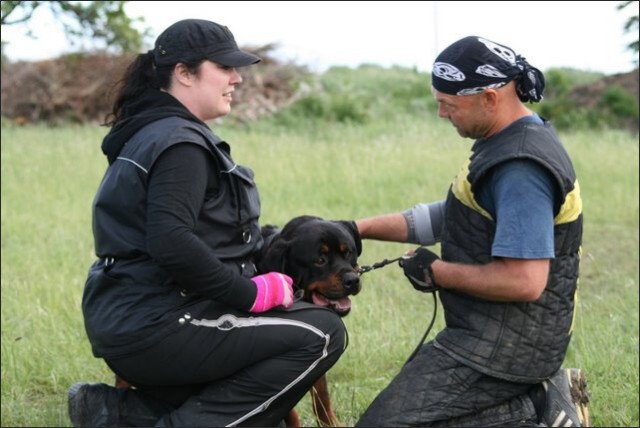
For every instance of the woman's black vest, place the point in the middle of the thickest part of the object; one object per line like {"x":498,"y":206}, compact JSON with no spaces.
{"x":116,"y":322}
{"x":522,"y":341}
{"x":228,"y":221}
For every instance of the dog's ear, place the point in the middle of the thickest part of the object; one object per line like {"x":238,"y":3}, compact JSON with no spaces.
{"x":273,"y":256}
{"x":351,"y":228}
{"x":289,"y":230}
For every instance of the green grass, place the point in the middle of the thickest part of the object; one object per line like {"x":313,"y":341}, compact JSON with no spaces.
{"x":340,"y":171}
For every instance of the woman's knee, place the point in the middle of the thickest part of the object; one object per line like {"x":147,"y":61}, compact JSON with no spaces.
{"x":325,"y":332}
{"x":335,"y":330}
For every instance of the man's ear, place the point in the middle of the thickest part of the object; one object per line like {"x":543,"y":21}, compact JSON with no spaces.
{"x":490,"y":99}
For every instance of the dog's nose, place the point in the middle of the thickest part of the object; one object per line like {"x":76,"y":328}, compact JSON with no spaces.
{"x":351,"y":281}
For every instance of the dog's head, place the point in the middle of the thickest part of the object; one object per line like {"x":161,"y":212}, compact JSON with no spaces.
{"x":320,"y":256}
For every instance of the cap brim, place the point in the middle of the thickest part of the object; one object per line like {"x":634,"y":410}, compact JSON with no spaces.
{"x":235,"y":58}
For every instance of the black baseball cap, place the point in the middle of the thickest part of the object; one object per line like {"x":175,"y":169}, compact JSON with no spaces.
{"x":195,"y":39}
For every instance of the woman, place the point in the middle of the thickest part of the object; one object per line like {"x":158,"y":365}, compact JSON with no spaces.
{"x":174,"y":304}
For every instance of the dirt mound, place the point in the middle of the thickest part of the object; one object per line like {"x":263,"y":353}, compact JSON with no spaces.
{"x":71,"y":88}
{"x":609,"y":98}
{"x":79,"y":87}
{"x":591,"y":94}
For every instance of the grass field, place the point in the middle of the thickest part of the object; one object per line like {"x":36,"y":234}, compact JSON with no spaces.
{"x":49,"y":177}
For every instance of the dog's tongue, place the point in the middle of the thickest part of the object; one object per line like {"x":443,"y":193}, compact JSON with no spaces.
{"x":341,"y":305}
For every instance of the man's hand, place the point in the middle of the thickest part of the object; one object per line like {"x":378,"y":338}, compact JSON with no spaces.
{"x":417,"y":268}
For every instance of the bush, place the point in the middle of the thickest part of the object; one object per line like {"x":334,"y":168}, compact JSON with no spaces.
{"x":577,"y":100}
{"x":362,"y":95}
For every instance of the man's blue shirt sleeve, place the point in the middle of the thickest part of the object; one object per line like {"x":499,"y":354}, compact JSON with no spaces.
{"x":520,"y":195}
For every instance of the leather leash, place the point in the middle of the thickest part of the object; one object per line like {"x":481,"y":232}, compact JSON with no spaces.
{"x":365,"y":269}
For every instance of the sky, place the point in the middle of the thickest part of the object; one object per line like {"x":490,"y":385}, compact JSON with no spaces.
{"x":583,"y":35}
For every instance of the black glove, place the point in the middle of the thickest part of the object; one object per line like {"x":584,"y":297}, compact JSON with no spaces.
{"x":351,"y":227}
{"x":417,"y":268}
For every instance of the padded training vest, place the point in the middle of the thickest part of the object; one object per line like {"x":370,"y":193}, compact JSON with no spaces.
{"x":522,"y":341}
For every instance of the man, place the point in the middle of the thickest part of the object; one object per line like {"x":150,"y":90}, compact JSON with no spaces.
{"x":510,"y":231}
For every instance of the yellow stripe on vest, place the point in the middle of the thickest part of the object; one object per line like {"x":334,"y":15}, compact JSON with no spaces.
{"x":572,"y":207}
{"x":461,"y":189}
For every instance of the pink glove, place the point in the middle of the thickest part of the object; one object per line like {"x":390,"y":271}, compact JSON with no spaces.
{"x":274,"y":289}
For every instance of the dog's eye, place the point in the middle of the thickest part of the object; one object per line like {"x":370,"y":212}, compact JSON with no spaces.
{"x":347,"y":255}
{"x":320,"y":261}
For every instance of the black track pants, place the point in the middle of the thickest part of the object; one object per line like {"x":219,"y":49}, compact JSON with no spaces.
{"x":228,"y":368}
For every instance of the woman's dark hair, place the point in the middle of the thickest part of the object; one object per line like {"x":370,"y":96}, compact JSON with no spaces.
{"x":140,"y":76}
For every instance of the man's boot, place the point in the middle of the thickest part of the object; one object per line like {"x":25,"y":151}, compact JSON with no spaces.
{"x":567,"y":400}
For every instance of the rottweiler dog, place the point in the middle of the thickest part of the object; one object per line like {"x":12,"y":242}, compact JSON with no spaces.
{"x":321,"y":256}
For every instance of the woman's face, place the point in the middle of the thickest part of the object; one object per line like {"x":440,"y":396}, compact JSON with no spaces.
{"x":211,"y":90}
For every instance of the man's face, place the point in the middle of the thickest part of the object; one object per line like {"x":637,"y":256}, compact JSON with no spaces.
{"x":465,"y":112}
